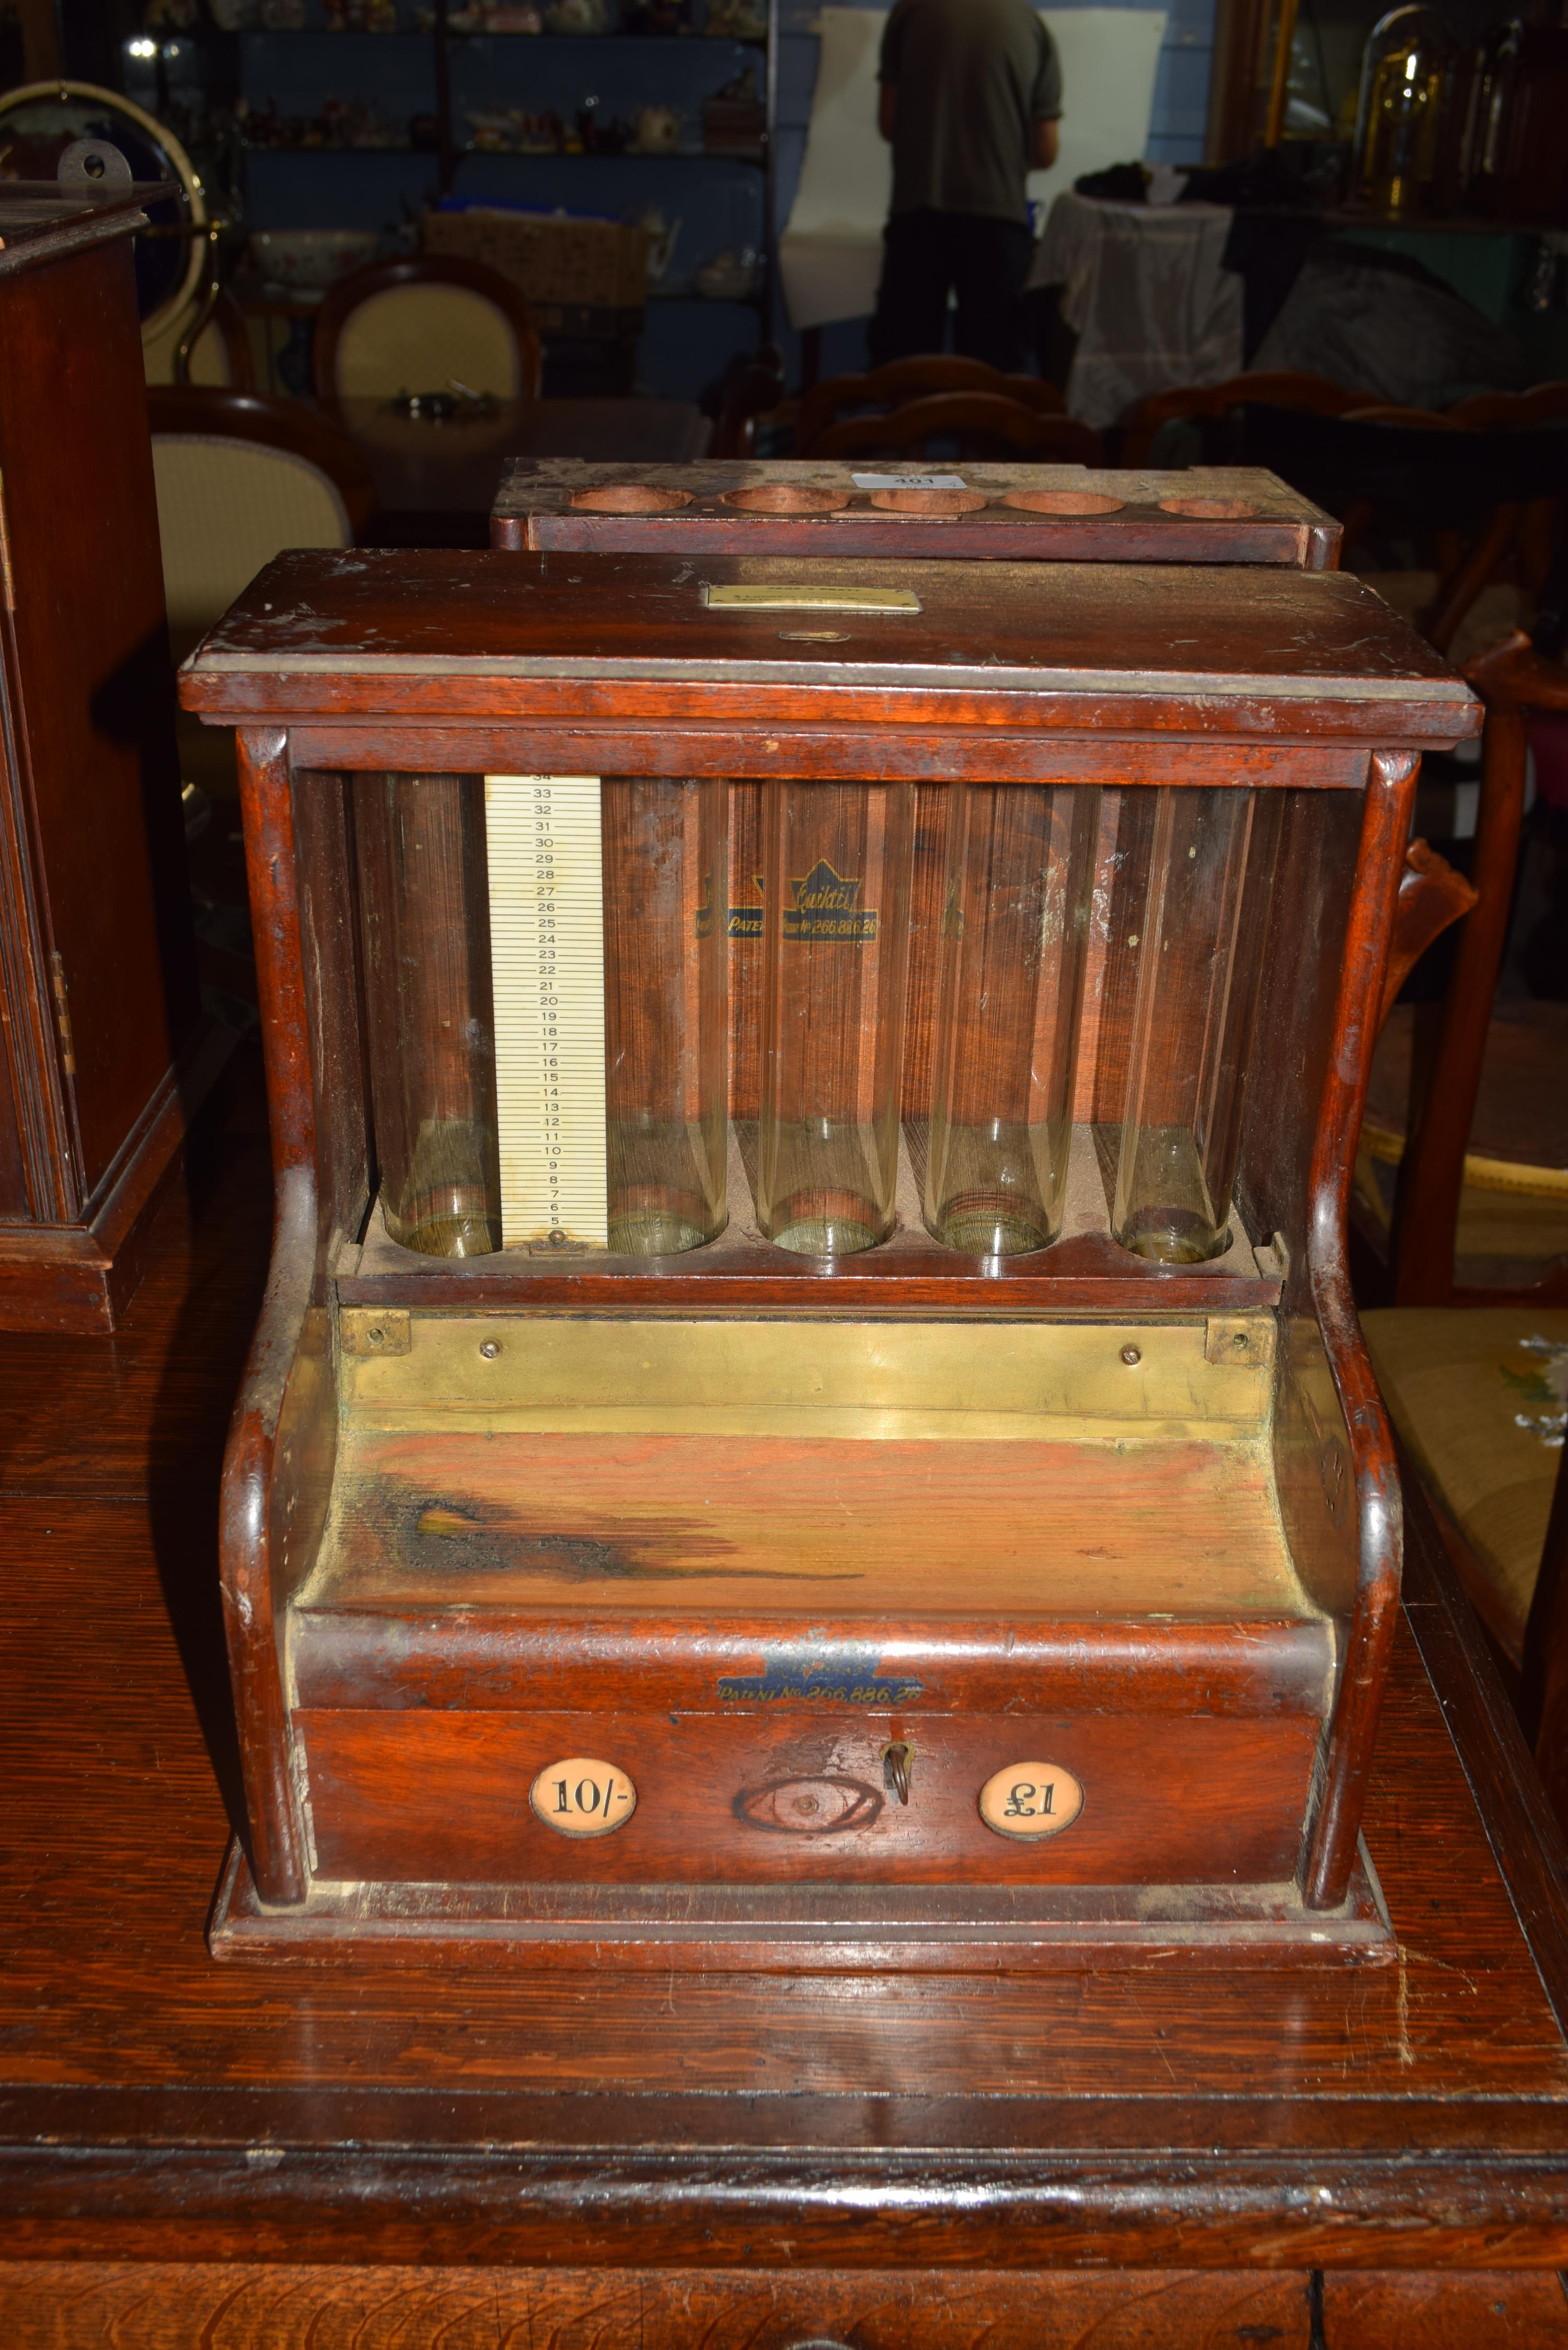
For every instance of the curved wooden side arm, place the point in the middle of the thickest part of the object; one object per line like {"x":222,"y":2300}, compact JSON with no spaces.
{"x":1385,"y":828}
{"x":252,"y":1592}
{"x":253,"y":1595}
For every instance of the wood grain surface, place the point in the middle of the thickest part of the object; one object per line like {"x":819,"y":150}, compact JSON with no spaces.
{"x":246,"y":2306}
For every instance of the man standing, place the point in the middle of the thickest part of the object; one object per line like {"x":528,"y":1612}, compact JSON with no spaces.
{"x":971,"y":93}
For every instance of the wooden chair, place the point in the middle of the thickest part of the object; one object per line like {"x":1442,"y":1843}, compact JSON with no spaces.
{"x":1543,"y":403}
{"x":753,"y":390}
{"x":239,"y":478}
{"x":902,"y":380}
{"x":418,"y":324}
{"x":981,"y":424}
{"x":1462,"y":488}
{"x":222,"y":355}
{"x":1270,"y":387}
{"x":1512,"y":679}
{"x":1473,"y":1378}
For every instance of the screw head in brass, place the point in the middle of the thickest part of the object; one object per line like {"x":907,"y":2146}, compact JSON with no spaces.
{"x":1131,"y":1355}
{"x":490,"y":1348}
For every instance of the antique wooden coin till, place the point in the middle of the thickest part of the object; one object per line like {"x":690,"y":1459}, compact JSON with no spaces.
{"x":808,"y":1410}
{"x":973,"y":512}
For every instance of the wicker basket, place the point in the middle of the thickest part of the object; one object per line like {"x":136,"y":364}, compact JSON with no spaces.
{"x":557,"y":262}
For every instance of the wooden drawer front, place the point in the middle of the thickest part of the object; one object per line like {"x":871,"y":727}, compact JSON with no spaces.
{"x":443,"y":1797}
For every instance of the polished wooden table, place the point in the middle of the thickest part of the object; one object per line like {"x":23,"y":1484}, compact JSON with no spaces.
{"x":429,"y":475}
{"x":478,"y":2154}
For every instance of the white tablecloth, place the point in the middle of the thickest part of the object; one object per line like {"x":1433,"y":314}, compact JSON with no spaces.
{"x":1144,"y":291}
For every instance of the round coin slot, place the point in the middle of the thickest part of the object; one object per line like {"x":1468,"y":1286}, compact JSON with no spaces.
{"x":1062,"y":502}
{"x":929,"y":502}
{"x":1030,"y":1800}
{"x":630,"y":498}
{"x":1208,"y":509}
{"x":786,"y":498}
{"x":583,"y":1795}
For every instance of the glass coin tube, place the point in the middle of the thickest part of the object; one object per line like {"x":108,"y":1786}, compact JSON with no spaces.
{"x":425,"y":924}
{"x":666,"y":902}
{"x":837,"y":864}
{"x":1200,"y":957}
{"x":1020,"y":869}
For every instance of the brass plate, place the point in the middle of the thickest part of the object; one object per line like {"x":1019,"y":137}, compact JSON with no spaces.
{"x":498,"y":1372}
{"x":787,"y":596}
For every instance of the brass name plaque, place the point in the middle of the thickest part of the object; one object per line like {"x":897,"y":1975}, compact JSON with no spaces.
{"x":791,"y":596}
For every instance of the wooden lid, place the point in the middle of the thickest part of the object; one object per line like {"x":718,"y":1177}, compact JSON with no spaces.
{"x":386,"y":633}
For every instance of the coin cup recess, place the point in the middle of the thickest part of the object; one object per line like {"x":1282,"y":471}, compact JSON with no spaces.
{"x":1069,"y":502}
{"x":929,"y":502}
{"x":630,"y":498}
{"x":785,"y":498}
{"x":1208,"y":509}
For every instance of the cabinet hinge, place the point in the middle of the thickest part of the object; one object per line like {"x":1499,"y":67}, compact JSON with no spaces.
{"x":63,"y":1012}
{"x":7,"y":582}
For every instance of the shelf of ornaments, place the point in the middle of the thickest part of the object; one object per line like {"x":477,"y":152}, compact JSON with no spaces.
{"x":486,"y":33}
{"x":755,"y":158}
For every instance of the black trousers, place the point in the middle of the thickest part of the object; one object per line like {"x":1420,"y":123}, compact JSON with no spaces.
{"x":925,"y":255}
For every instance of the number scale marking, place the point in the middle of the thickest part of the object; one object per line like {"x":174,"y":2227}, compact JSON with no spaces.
{"x":547,"y":952}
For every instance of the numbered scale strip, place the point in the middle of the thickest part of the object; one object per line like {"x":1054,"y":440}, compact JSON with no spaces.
{"x":547,"y":952}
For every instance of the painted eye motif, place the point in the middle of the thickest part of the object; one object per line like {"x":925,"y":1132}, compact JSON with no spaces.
{"x":809,"y":1806}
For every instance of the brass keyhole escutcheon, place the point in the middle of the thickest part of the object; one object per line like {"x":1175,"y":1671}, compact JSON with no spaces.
{"x":897,"y":1768}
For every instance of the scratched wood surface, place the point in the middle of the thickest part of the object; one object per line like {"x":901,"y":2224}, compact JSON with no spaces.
{"x":486,"y":635}
{"x":154,"y":2106}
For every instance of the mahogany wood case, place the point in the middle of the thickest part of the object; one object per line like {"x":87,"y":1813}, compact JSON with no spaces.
{"x":103,"y":1051}
{"x":834,"y":1572}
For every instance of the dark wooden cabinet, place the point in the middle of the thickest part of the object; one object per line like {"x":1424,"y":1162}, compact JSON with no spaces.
{"x":104,"y":1049}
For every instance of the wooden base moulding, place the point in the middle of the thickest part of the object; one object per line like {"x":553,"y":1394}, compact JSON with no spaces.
{"x":807,"y":1929}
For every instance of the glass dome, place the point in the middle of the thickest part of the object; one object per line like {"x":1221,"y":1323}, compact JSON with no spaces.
{"x":1406,"y":80}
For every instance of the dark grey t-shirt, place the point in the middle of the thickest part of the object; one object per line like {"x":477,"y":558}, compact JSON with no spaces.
{"x":972,"y":77}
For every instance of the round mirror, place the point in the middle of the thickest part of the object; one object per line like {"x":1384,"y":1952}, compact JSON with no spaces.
{"x":40,"y":122}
